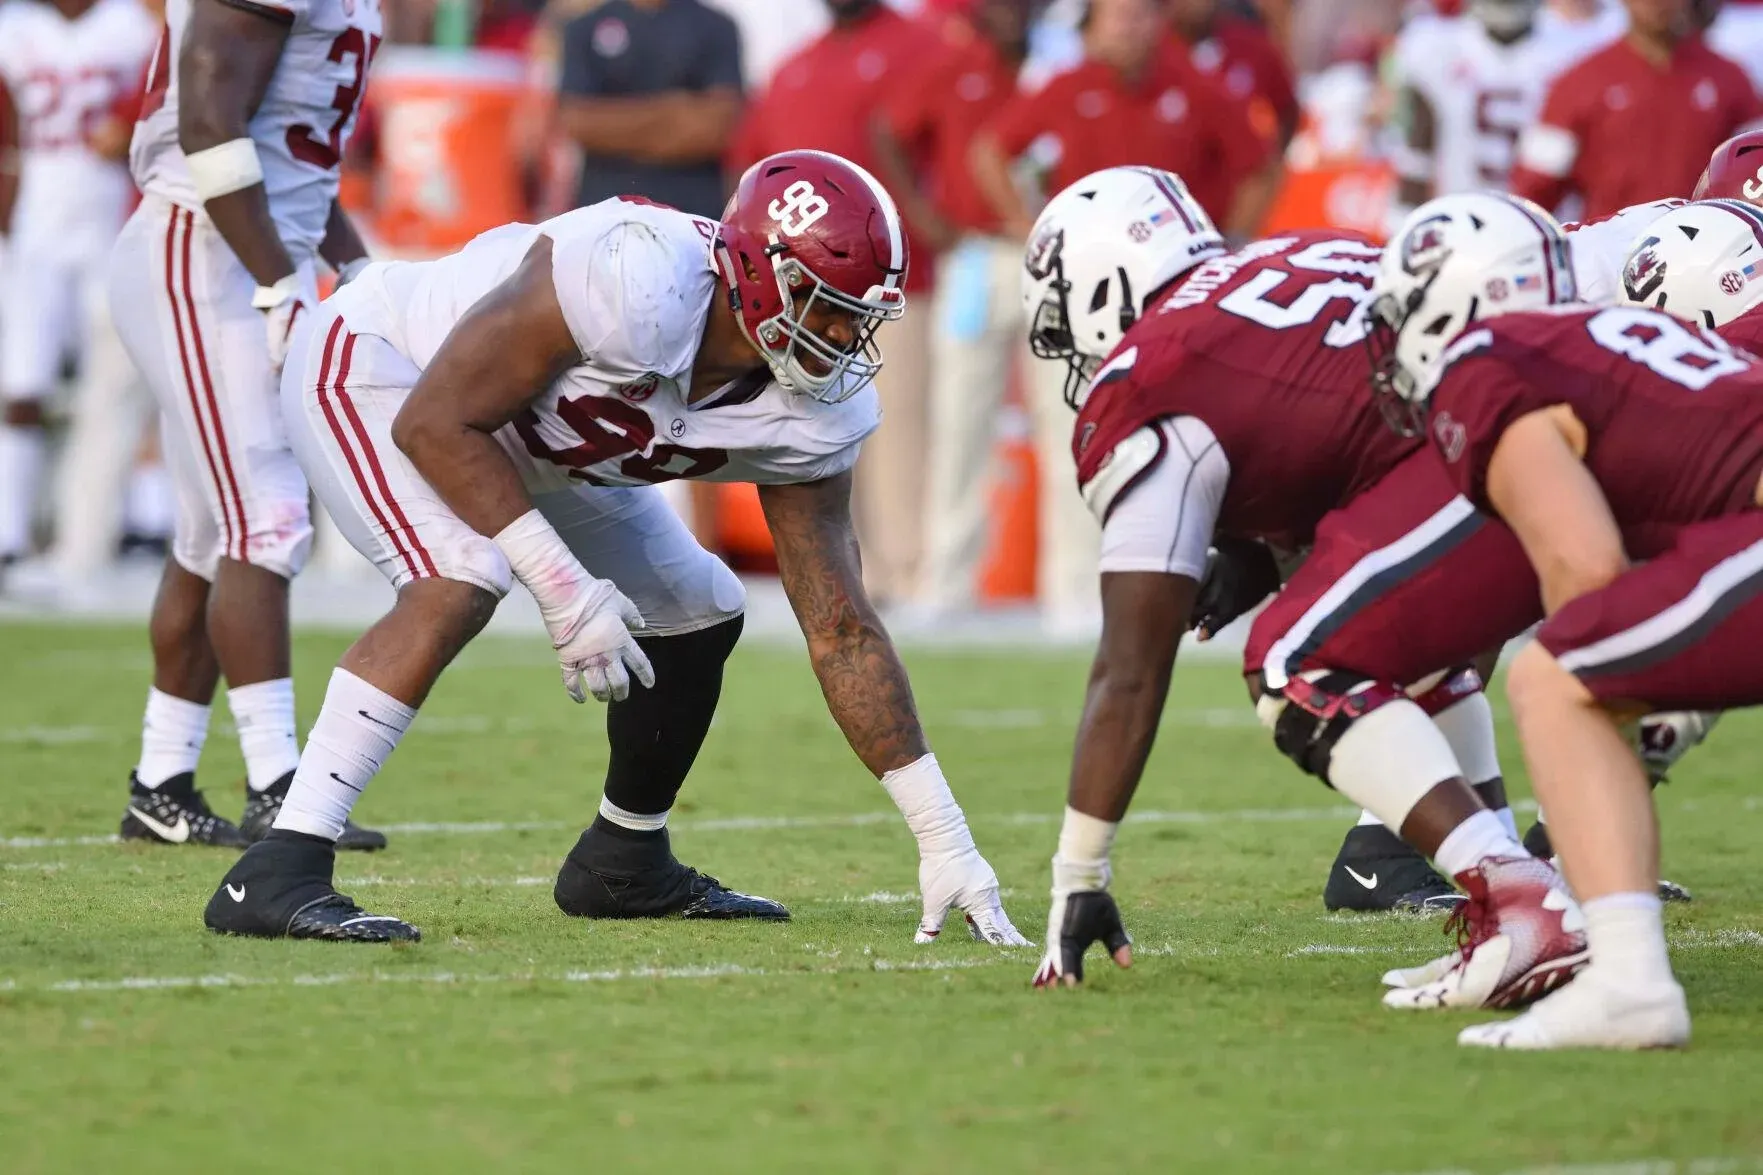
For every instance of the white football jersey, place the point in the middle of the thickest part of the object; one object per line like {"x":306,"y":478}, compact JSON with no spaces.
{"x":1599,"y":249}
{"x":635,"y":283}
{"x":64,"y":76}
{"x":1483,"y":93}
{"x":301,"y":126}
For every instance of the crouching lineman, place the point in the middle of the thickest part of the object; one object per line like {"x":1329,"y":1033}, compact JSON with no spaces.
{"x":1599,"y":435}
{"x":1228,"y":392}
{"x":503,"y":414}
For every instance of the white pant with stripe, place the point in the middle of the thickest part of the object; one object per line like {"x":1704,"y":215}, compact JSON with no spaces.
{"x":340,"y":393}
{"x":182,"y":304}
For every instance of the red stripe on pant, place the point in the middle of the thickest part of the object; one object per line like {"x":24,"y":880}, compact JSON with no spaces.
{"x":416,"y":558}
{"x":177,"y":322}
{"x":243,"y":536}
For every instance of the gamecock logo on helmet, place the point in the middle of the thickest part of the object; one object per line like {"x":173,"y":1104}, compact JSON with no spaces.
{"x":1644,"y":271}
{"x":1424,"y":247}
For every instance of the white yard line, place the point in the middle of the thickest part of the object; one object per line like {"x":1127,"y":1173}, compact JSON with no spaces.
{"x":1626,"y":1167}
{"x":861,"y":961}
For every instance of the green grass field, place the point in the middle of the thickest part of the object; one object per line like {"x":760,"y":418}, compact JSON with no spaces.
{"x":1248,"y":1038}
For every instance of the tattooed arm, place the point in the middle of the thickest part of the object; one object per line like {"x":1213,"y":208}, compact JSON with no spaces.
{"x":871,"y":700}
{"x":860,"y":673}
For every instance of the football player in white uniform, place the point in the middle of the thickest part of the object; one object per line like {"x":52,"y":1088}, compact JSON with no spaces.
{"x":247,"y":109}
{"x":503,"y":413}
{"x":65,"y":66}
{"x":1467,"y":85}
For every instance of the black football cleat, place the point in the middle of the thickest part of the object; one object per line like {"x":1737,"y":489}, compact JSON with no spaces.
{"x":175,"y":813}
{"x":1377,"y":871}
{"x":261,"y":808}
{"x":613,"y":872}
{"x":281,"y":888}
{"x":1538,"y":844}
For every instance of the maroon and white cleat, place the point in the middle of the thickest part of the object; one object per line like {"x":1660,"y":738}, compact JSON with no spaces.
{"x":1519,"y":937}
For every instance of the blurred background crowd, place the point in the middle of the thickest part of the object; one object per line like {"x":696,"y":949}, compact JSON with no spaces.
{"x":1278,"y":113}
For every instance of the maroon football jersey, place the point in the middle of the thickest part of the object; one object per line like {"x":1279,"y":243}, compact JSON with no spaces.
{"x":1673,"y":415}
{"x":1745,"y":332}
{"x":1266,"y":347}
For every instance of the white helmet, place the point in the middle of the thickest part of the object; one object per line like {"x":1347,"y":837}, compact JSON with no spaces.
{"x":1505,"y":18}
{"x":1454,"y":261}
{"x":1098,"y":250}
{"x":1702,"y":261}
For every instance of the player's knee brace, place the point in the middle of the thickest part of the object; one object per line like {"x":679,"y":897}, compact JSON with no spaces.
{"x":1316,"y":709}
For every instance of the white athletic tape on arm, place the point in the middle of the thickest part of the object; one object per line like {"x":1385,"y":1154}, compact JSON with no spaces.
{"x":1547,"y":150}
{"x":219,"y":171}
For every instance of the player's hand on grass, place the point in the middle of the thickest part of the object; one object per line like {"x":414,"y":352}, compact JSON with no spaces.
{"x":1239,"y":574}
{"x":963,"y":880}
{"x":1083,"y":914}
{"x":595,"y":646}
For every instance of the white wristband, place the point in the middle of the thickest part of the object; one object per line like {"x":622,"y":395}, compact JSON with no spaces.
{"x":924,"y":799}
{"x":541,"y":560}
{"x":219,"y":171}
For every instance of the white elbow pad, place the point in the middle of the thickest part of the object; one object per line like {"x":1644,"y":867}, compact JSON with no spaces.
{"x":219,"y":171}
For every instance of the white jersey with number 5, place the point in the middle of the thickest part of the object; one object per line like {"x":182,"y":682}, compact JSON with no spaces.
{"x":301,"y":125}
{"x":64,"y":77}
{"x":1482,"y":92}
{"x":635,"y":284}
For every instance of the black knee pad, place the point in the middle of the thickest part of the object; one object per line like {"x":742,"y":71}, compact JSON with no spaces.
{"x":1316,"y":714}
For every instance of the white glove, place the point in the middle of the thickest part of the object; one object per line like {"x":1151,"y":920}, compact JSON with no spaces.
{"x":281,"y":305}
{"x":1083,"y":913}
{"x":590,"y":620}
{"x":592,"y":636}
{"x":964,"y":881}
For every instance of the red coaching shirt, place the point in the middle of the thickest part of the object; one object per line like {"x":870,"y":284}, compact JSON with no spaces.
{"x":1243,"y":59}
{"x":937,"y":113}
{"x":1174,"y":118}
{"x":824,"y":96}
{"x":1620,"y":130}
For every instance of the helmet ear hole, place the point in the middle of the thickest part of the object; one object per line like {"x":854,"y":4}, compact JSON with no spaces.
{"x":1437,"y":326}
{"x":1099,"y":298}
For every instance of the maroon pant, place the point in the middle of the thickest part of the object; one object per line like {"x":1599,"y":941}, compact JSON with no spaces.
{"x":1405,"y":580}
{"x":1682,"y":632}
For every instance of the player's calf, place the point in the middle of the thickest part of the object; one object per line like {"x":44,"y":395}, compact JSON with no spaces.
{"x":623,"y":865}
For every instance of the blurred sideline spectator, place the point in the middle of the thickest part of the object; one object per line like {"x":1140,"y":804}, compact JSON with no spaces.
{"x":1135,"y":98}
{"x":1466,"y":86}
{"x":650,"y":91}
{"x":1635,"y":121}
{"x":977,"y":335}
{"x":824,"y":97}
{"x":1242,"y":57}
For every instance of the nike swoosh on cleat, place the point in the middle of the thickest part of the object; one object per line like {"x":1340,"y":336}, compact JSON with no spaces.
{"x":1367,"y":882}
{"x":177,"y":833}
{"x":368,"y":918}
{"x":236,"y":892}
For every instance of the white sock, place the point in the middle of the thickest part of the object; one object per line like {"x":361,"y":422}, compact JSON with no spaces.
{"x":21,"y":471}
{"x":264,"y":714}
{"x":635,"y":821}
{"x":172,"y":734}
{"x":1367,"y":818}
{"x":1479,"y":837}
{"x":923,"y":797}
{"x":1509,"y":820}
{"x":1626,"y":934}
{"x":356,"y":732}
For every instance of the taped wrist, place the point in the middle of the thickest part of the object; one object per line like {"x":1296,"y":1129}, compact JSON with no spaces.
{"x":545,"y":565}
{"x":924,"y":799}
{"x":1085,"y":843}
{"x":220,"y":171}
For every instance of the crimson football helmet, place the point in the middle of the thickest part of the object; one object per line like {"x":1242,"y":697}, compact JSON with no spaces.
{"x":806,"y":230}
{"x":1734,"y":171}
